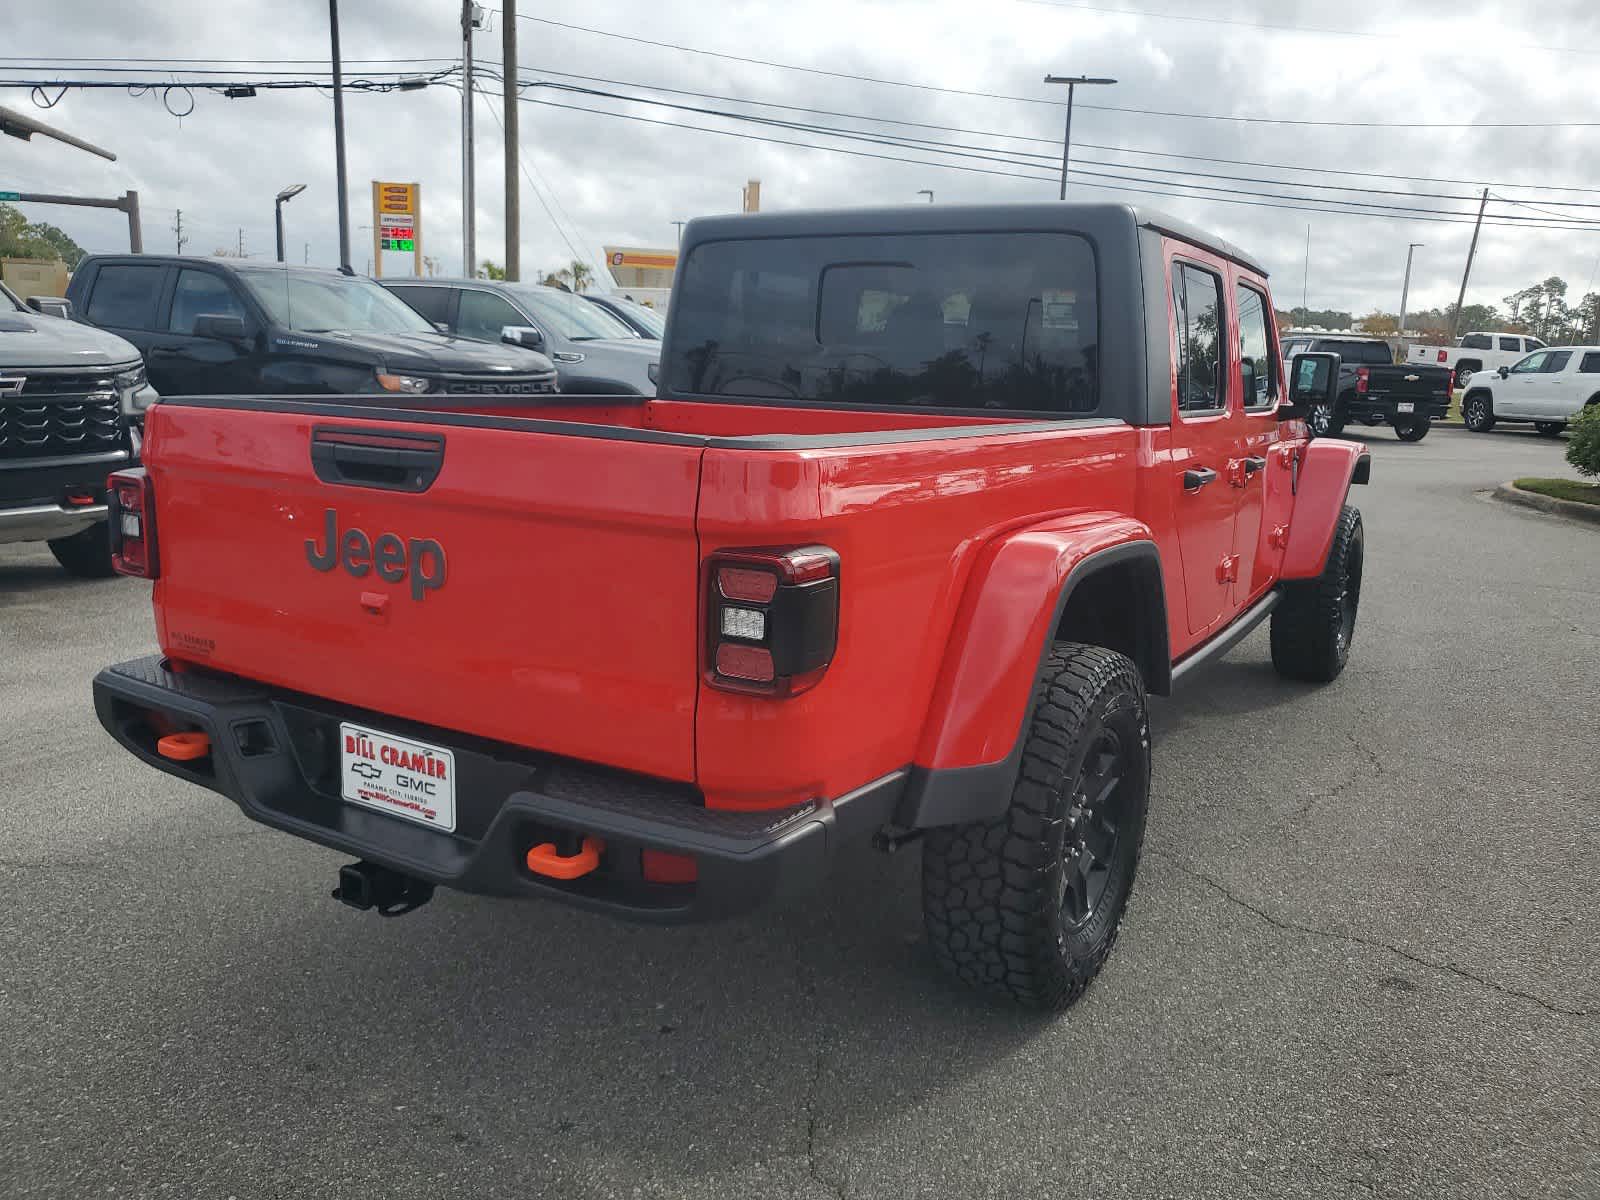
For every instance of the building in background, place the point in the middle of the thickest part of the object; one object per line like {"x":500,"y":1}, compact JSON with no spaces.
{"x":645,"y":275}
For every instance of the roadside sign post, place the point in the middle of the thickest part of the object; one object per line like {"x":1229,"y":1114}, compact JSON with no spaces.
{"x":396,"y":223}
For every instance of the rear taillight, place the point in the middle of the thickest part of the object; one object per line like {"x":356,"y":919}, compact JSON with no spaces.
{"x":1444,"y":356}
{"x":1362,"y":375}
{"x":132,"y":520}
{"x":773,"y":619}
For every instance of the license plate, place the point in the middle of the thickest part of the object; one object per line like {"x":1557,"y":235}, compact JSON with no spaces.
{"x":1405,"y":406}
{"x":398,"y":776}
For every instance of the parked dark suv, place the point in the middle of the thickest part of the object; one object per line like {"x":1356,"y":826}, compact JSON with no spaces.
{"x":217,"y":326}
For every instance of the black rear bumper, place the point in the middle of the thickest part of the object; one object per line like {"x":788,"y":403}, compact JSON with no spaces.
{"x":1365,"y":408}
{"x":276,"y":755}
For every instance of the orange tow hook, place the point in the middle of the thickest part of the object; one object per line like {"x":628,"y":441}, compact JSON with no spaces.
{"x":184,"y":747}
{"x":543,"y":860}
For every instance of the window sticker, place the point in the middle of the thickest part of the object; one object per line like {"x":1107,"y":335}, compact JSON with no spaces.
{"x":1060,"y":310}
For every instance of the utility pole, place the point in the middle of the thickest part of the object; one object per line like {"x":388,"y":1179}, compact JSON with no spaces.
{"x":469,"y":185}
{"x":1305,"y":275}
{"x":1072,"y":82}
{"x":508,"y":71}
{"x":306,"y":253}
{"x":1405,"y":290}
{"x":241,"y":241}
{"x":338,"y":138}
{"x":679,"y":224}
{"x":1472,"y":250}
{"x":177,"y":230}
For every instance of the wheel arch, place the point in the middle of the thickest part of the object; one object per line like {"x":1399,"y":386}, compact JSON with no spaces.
{"x":1328,"y":469}
{"x":1088,"y":577}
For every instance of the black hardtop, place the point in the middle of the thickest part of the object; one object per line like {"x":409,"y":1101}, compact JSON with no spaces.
{"x":1105,"y":224}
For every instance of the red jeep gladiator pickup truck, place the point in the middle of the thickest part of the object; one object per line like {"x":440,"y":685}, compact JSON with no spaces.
{"x":929,"y":500}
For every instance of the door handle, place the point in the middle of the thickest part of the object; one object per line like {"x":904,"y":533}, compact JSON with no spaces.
{"x":1196,"y":478}
{"x":1254,"y":464}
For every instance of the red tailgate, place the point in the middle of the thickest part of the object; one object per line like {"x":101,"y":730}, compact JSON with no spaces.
{"x":542,"y":590}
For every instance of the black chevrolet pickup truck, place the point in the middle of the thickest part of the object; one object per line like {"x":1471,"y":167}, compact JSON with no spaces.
{"x":1374,"y":390}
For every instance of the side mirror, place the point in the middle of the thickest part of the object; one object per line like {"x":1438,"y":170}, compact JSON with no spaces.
{"x":525,"y":336}
{"x":1504,"y":371}
{"x":1313,"y":380}
{"x":218,"y":327}
{"x":50,"y":306}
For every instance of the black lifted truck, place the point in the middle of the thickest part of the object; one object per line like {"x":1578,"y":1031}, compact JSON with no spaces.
{"x":1374,"y":390}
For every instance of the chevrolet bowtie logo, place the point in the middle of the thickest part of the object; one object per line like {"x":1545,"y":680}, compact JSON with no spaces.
{"x":11,"y":385}
{"x":1412,"y":378}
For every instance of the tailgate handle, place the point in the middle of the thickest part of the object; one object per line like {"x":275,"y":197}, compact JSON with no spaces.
{"x":376,"y":458}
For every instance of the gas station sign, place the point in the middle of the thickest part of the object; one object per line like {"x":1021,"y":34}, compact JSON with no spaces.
{"x":396,"y":223}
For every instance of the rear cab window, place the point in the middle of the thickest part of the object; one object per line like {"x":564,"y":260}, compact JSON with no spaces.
{"x":1512,"y":344}
{"x":125,"y":295}
{"x":1004,"y":322}
{"x":1478,"y":341}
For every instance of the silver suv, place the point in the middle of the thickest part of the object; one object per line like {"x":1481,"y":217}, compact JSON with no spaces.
{"x":594,"y":352}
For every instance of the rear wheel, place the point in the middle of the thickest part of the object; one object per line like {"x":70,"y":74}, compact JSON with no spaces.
{"x":1315,"y":622}
{"x":1028,"y":905}
{"x":1550,"y":428}
{"x":1413,"y":430}
{"x":1477,"y":412}
{"x":1324,"y":421}
{"x":86,"y":554}
{"x":1464,"y":373}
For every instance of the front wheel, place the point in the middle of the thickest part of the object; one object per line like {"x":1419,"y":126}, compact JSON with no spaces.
{"x":1028,"y":905}
{"x":1477,"y":412}
{"x":1550,"y":428}
{"x":86,"y":554}
{"x":1413,"y":430}
{"x":1315,"y":622}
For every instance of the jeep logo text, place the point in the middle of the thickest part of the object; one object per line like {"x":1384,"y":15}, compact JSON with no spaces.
{"x":387,"y":556}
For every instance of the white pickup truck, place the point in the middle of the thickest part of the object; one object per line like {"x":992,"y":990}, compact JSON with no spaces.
{"x":1476,"y":352}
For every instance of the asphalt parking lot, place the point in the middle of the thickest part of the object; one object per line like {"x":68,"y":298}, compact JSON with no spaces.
{"x":1360,"y":961}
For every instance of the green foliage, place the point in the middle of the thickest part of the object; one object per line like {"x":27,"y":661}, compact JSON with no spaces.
{"x":1562,"y":489}
{"x":21,"y":238}
{"x":1583,"y":441}
{"x":489,"y":269}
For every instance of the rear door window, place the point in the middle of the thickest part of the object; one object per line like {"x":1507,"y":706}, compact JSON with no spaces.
{"x":990,"y":321}
{"x":1512,"y":344}
{"x":1197,"y":300}
{"x":1256,"y":374}
{"x":125,"y":295}
{"x":1590,"y":364}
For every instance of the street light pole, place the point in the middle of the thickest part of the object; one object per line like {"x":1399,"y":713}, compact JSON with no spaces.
{"x":1405,"y":290}
{"x":288,"y":194}
{"x":469,"y":184}
{"x":509,"y":73}
{"x":338,"y":139}
{"x":1072,"y":82}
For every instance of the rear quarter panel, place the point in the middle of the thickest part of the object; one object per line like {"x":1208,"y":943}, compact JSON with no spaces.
{"x":909,"y":521}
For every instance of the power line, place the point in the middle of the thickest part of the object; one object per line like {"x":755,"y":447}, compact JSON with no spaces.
{"x":1276,"y":28}
{"x":1231,"y":198}
{"x":538,"y":194}
{"x":1149,"y":112}
{"x":961,"y":150}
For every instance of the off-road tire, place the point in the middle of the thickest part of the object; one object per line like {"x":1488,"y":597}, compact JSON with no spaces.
{"x":996,"y":894}
{"x":86,"y":554}
{"x":1550,"y":428}
{"x":1477,"y":411}
{"x":1314,"y":624}
{"x":1413,"y":430}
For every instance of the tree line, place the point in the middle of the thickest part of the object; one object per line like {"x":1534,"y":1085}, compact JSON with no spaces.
{"x":1540,"y":309}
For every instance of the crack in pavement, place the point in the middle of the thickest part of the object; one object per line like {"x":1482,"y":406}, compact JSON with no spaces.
{"x":1369,"y":943}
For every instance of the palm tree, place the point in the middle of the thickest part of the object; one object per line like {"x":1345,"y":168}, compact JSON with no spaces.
{"x":580,"y":273}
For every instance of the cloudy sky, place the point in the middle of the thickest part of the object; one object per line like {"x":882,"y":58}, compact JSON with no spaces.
{"x":1431,"y":82}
